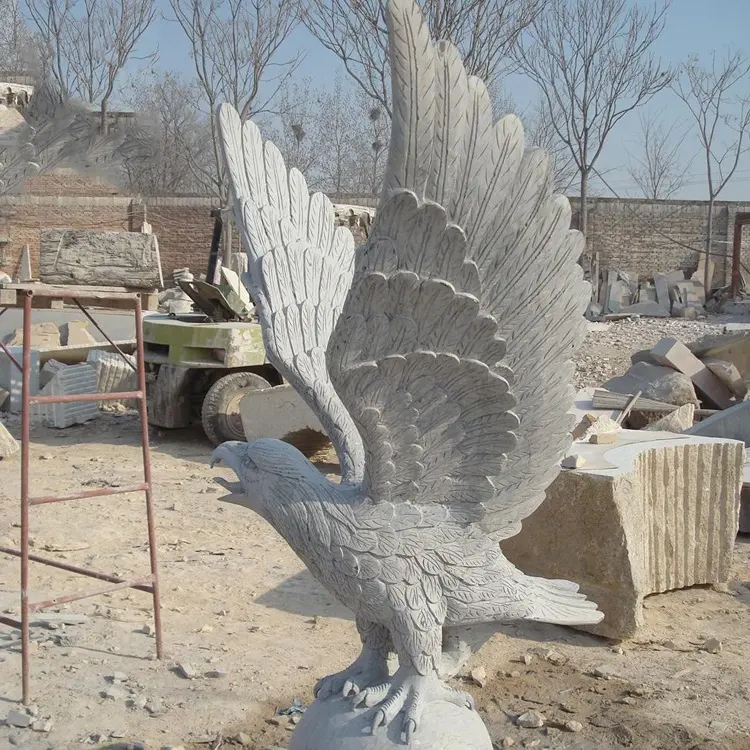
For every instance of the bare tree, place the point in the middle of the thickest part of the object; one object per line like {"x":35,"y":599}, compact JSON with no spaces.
{"x":175,"y":134}
{"x":540,"y":132}
{"x":296,"y":126}
{"x":485,"y":31}
{"x":722,"y":118}
{"x":18,"y":52}
{"x":87,"y":43}
{"x":338,"y":120}
{"x":593,"y":63}
{"x":234,"y":46}
{"x":659,"y":171}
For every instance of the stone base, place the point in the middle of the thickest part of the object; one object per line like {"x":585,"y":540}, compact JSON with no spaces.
{"x":654,"y":512}
{"x":333,"y":725}
{"x":281,"y":413}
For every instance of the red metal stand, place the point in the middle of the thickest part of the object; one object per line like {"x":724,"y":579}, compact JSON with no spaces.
{"x":43,"y":295}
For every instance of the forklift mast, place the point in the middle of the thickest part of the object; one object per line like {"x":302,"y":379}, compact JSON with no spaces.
{"x":213,"y":255}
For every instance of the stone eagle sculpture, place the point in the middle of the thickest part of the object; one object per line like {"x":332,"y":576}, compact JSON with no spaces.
{"x":436,"y":356}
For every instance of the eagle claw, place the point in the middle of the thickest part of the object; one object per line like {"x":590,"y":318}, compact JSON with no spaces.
{"x":366,"y":671}
{"x":409,"y":692}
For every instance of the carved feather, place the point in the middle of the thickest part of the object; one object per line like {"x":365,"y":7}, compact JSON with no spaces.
{"x":299,"y":272}
{"x":470,"y":264}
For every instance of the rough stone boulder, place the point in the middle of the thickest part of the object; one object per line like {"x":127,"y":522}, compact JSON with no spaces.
{"x":654,"y":512}
{"x":655,"y":382}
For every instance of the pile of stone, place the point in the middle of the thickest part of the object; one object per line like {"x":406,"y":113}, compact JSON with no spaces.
{"x":65,"y":360}
{"x":655,"y":508}
{"x":711,"y":373}
{"x":700,"y":389}
{"x":660,"y":296}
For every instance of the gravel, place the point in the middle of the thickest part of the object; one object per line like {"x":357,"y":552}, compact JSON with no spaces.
{"x":606,"y":353}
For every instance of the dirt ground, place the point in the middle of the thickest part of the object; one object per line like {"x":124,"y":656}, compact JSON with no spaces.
{"x":258,"y":631}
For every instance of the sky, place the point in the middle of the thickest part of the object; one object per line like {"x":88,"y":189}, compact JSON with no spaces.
{"x":693,"y":27}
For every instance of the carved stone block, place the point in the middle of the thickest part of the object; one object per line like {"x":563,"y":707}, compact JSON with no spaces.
{"x":662,"y":515}
{"x":77,"y":256}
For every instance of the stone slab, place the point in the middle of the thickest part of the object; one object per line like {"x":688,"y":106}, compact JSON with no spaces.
{"x":731,"y":423}
{"x":661,"y":516}
{"x":648,"y":308}
{"x":728,"y":373}
{"x":661,"y":285}
{"x":677,"y":421}
{"x":647,"y":293}
{"x":673,"y":353}
{"x":734,"y":348}
{"x":736,"y":307}
{"x":233,"y":280}
{"x":25,"y":265}
{"x":43,"y":335}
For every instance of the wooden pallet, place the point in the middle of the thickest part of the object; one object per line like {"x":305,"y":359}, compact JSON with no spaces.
{"x":55,"y":296}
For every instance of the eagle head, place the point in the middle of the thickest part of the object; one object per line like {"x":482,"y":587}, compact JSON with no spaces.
{"x":259,"y":466}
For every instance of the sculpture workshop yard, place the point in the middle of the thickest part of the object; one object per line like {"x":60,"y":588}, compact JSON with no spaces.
{"x":245,"y":618}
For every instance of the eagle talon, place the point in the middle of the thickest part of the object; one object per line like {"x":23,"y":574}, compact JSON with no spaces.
{"x":354,"y":681}
{"x":409,"y":693}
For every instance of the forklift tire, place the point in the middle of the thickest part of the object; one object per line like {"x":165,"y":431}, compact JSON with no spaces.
{"x":220,"y":413}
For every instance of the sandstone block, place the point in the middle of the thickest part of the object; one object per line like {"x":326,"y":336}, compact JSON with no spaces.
{"x":678,"y":421}
{"x":654,"y":513}
{"x":661,"y":285}
{"x":655,"y":382}
{"x":76,"y":333}
{"x":43,"y":336}
{"x":280,"y":413}
{"x":673,"y":353}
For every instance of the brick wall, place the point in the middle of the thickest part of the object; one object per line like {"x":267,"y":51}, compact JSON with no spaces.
{"x":183,"y":225}
{"x":643,"y":236}
{"x":630,"y":235}
{"x":184,"y":228}
{"x":22,"y":217}
{"x":68,"y":183}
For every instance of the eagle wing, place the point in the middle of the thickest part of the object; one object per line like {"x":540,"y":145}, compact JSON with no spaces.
{"x":300,"y":269}
{"x":452,"y":351}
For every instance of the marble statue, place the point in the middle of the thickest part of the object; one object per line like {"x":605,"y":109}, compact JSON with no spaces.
{"x":436,"y":356}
